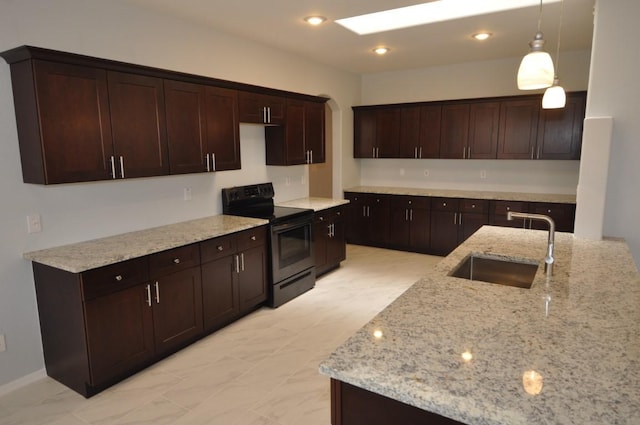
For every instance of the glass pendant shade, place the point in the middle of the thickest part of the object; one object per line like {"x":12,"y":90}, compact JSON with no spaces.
{"x":554,"y":97}
{"x":536,"y":69}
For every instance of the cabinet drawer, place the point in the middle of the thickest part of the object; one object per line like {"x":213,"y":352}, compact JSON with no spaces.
{"x":174,"y":260}
{"x":445,"y":204}
{"x":114,"y":277}
{"x":251,"y":238}
{"x":555,"y":211}
{"x":330,"y":214}
{"x":218,"y":248}
{"x":422,"y":202}
{"x":501,"y":208}
{"x":477,"y":206}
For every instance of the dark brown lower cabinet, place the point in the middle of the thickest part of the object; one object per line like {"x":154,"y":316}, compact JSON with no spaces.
{"x":438,"y":225}
{"x":351,"y":405}
{"x":104,"y":324}
{"x":234,"y":276}
{"x":329,"y":239}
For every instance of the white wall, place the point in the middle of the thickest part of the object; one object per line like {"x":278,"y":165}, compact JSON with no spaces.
{"x":75,"y":212}
{"x":463,"y":81}
{"x":614,"y":92}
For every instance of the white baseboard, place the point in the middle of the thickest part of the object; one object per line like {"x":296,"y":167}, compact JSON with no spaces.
{"x":21,"y":382}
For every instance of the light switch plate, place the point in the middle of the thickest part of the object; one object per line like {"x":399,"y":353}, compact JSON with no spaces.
{"x":34,"y":223}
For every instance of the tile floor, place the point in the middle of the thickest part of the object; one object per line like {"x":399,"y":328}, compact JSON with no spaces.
{"x":261,"y":370}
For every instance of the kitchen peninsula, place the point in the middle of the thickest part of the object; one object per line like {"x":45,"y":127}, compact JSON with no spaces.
{"x":565,"y":351}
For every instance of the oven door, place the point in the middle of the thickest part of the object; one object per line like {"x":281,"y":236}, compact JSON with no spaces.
{"x":291,"y":247}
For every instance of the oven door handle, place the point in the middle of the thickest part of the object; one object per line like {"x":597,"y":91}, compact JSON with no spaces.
{"x":290,"y":225}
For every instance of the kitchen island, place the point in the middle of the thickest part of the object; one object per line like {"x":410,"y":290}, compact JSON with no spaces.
{"x":565,"y":351}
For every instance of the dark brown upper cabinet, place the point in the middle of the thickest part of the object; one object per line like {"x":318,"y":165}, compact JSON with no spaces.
{"x":518,"y":128}
{"x":454,"y":131}
{"x":376,"y":132}
{"x":301,"y":139}
{"x":138,"y":125}
{"x":514,"y":127}
{"x":63,"y":120}
{"x":483,"y":130}
{"x":81,"y":118}
{"x":560,"y":130}
{"x":202,"y":127}
{"x":257,"y":108}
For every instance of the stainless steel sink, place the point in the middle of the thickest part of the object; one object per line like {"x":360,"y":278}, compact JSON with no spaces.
{"x":495,"y":269}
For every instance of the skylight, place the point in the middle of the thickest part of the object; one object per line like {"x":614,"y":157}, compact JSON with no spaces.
{"x":428,"y":13}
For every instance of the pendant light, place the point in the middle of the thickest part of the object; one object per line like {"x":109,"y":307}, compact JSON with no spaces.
{"x":536,"y":68}
{"x":555,"y":97}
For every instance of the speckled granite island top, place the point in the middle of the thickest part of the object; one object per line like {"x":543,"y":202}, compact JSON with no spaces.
{"x":82,"y":256}
{"x":466,"y":349}
{"x":472,"y":194}
{"x":316,"y":204}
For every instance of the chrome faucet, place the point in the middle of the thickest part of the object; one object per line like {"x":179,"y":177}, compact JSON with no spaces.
{"x":548,"y":260}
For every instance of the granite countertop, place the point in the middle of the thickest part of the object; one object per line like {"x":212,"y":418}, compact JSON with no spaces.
{"x":579,"y":331}
{"x":316,"y":204}
{"x":472,"y":194}
{"x":82,"y":256}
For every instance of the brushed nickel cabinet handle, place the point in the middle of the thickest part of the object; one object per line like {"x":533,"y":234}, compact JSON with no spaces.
{"x":220,"y":248}
{"x":420,"y":152}
{"x":119,"y":278}
{"x":113,"y":167}
{"x":148,"y":300}
{"x":207,"y":160}
{"x":242,"y":260}
{"x":176,"y":261}
{"x":213,"y":161}
{"x":157,"y":286}
{"x":253,"y":238}
{"x":121,"y":167}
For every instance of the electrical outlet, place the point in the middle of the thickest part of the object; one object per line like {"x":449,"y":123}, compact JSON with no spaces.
{"x":426,"y":173}
{"x":34,"y":223}
{"x":187,"y":193}
{"x":483,"y":174}
{"x":3,"y":343}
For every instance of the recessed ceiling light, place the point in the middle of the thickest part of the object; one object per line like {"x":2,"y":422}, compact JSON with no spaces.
{"x":315,"y":20}
{"x":428,"y":13}
{"x":381,"y":50}
{"x":481,"y":36}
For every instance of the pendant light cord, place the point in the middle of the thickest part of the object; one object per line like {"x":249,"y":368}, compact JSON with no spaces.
{"x":559,"y":33}
{"x":540,"y":16}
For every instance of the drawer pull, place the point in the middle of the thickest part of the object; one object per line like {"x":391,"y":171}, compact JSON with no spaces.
{"x":119,"y":278}
{"x":321,"y":218}
{"x":444,"y":204}
{"x":253,"y":238}
{"x":508,"y":208}
{"x":220,"y":248}
{"x":338,"y":213}
{"x":548,"y":211}
{"x":176,"y":261}
{"x":473,"y":205}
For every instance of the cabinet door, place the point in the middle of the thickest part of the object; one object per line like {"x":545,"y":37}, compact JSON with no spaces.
{"x":378,"y":219}
{"x":562,"y":214}
{"x":356,"y":218}
{"x":364,"y":133}
{"x":560,"y":130}
{"x":314,"y":138}
{"x":119,"y":333}
{"x":518,"y":128}
{"x":295,"y":150}
{"x":387,"y":132}
{"x":336,"y":247}
{"x":444,"y":225}
{"x":430,"y":117}
{"x":138,"y":124}
{"x":252,"y":279}
{"x":483,"y":130}
{"x":498,"y":213}
{"x":454,"y":131}
{"x":260,"y":109}
{"x":185,"y":109}
{"x":219,"y":292}
{"x":75,"y":142}
{"x":409,"y":140}
{"x":399,"y":225}
{"x":177,"y":309}
{"x":223,"y":128}
{"x":320,"y":240}
{"x":420,"y":234}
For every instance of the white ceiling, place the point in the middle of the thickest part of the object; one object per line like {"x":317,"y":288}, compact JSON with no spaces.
{"x":279,"y":23}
